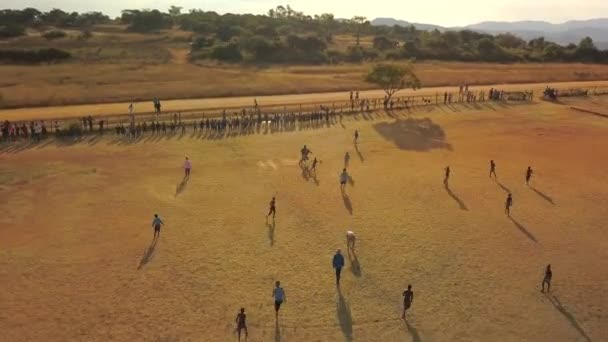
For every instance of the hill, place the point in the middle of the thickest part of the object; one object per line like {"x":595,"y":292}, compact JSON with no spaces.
{"x":570,"y":32}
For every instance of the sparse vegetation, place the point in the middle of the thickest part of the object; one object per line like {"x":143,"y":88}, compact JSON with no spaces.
{"x":55,"y":34}
{"x":33,"y":56}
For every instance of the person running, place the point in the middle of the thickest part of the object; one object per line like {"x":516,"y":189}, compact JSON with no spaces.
{"x":492,"y":168}
{"x":279,"y":297}
{"x":351,"y":239}
{"x":356,"y":136}
{"x":131,"y":109}
{"x":447,"y":176}
{"x":528,"y":175}
{"x":273,"y":208}
{"x":346,"y":159}
{"x":187,"y":167}
{"x":305,"y":152}
{"x":508,"y":205}
{"x":156,"y":223}
{"x":343,"y":179}
{"x":338,"y":263}
{"x":547,"y":279}
{"x":314,"y":165}
{"x":408,"y":299}
{"x":241,"y":323}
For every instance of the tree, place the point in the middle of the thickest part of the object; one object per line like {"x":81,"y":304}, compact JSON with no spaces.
{"x":510,"y":41}
{"x":384,"y":43}
{"x":393,"y":78}
{"x":358,"y":23}
{"x":175,"y":11}
{"x":586,"y":44}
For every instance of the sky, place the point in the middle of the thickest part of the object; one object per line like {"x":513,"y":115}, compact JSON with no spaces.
{"x":439,"y":12}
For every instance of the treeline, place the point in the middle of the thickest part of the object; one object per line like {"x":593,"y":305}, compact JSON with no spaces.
{"x":284,"y":35}
{"x":14,"y":22}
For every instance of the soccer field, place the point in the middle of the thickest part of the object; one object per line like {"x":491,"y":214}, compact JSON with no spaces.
{"x":77,"y":262}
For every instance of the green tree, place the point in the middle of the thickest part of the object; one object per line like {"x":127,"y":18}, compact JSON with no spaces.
{"x":393,"y":78}
{"x":175,"y":11}
{"x":358,"y":23}
{"x":586,"y":44}
{"x":384,"y":43}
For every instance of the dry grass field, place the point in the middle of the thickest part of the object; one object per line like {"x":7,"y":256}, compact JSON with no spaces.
{"x":114,"y":66}
{"x":77,"y":263}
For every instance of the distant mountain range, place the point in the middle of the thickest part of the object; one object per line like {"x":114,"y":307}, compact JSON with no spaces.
{"x":565,"y":33}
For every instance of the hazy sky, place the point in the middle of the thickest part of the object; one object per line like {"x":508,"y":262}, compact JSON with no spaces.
{"x":440,"y":12}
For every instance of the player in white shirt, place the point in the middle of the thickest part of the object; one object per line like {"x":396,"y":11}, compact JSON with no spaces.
{"x":351,"y":239}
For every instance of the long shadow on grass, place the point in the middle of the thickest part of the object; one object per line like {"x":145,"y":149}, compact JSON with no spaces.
{"x":181,"y":186}
{"x":523,"y":229}
{"x":347,"y":203}
{"x":344,"y":317}
{"x":558,"y":305}
{"x":277,"y":332}
{"x":271,"y":227}
{"x":414,"y":134}
{"x":502,"y":186}
{"x":148,"y":253}
{"x":412,"y":330}
{"x":355,"y":266}
{"x":456,"y":198}
{"x":359,"y":153}
{"x":544,"y":196}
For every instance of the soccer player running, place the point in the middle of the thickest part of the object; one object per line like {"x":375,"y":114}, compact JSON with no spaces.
{"x":547,"y":279}
{"x":356,"y":136}
{"x":314,"y":165}
{"x":508,"y":205}
{"x":157,"y":223}
{"x":305,"y":152}
{"x":279,"y":297}
{"x":529,"y":173}
{"x":492,"y":169}
{"x":241,"y":323}
{"x":408,"y":299}
{"x":343,"y":179}
{"x":273,"y":208}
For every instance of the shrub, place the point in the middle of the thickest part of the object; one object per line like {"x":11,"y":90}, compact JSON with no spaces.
{"x":11,"y":31}
{"x":55,"y":34}
{"x":84,"y":35}
{"x":33,"y":56}
{"x":202,"y":42}
{"x":230,"y":52}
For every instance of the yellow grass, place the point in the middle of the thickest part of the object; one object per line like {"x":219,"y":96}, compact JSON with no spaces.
{"x":75,"y":261}
{"x":114,"y":66}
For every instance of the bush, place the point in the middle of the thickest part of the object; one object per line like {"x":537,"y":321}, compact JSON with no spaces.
{"x":202,"y":42}
{"x":11,"y":31}
{"x":84,"y":35}
{"x":55,"y":34}
{"x":228,"y":53}
{"x":33,"y":56}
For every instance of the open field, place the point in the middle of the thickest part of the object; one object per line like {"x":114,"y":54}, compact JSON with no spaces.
{"x":114,"y":66}
{"x":77,"y":264}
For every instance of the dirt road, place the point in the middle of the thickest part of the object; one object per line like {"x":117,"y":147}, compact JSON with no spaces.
{"x":45,"y":113}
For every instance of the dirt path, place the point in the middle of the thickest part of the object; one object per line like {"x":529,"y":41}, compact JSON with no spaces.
{"x":179,"y":56}
{"x":45,"y":113}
